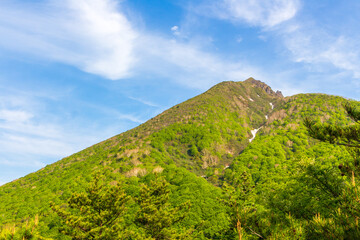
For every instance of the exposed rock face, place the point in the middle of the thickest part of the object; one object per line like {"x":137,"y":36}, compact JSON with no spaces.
{"x":264,"y":86}
{"x":279,"y":94}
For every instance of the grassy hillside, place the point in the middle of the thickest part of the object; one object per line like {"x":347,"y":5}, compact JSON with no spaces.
{"x":201,"y":144}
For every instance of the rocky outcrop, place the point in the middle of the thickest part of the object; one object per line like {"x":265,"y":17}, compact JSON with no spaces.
{"x":267,"y":89}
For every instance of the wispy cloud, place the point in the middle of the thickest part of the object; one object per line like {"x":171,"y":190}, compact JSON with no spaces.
{"x":114,"y":113}
{"x":14,"y":115}
{"x":187,"y":64}
{"x":323,"y":46}
{"x":130,"y":117}
{"x":146,"y":102}
{"x":25,"y":130}
{"x":27,"y":161}
{"x":315,"y":46}
{"x":255,"y":12}
{"x":54,"y":147}
{"x":97,"y":37}
{"x":92,"y":35}
{"x":175,"y":30}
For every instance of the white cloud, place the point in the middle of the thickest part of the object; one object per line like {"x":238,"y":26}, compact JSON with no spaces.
{"x":130,"y":117}
{"x":145,"y":102}
{"x":174,"y":28}
{"x":315,"y":46}
{"x":96,"y":36}
{"x":31,"y":128}
{"x":32,"y":134}
{"x":45,"y":146}
{"x":109,"y":35}
{"x":90,"y":34}
{"x":325,"y":46}
{"x":14,"y":115}
{"x":38,"y":138}
{"x":255,"y":12}
{"x":115,"y":113}
{"x":26,"y":163}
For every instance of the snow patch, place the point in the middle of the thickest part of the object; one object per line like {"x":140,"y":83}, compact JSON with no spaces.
{"x":272,"y":106}
{"x":253,"y":132}
{"x":251,"y":99}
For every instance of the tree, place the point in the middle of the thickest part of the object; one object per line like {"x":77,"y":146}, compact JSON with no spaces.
{"x":238,"y":197}
{"x":156,"y":215}
{"x":343,"y":223}
{"x":96,"y":213}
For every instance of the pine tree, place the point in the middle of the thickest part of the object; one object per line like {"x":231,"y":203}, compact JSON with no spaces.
{"x":96,"y":213}
{"x":345,"y":216}
{"x":156,"y":215}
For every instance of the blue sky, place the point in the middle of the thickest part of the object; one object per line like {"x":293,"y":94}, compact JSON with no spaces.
{"x":75,"y":72}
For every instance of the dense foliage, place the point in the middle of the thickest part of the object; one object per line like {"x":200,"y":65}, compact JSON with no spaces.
{"x":342,"y":222}
{"x":191,"y":173}
{"x":95,"y":214}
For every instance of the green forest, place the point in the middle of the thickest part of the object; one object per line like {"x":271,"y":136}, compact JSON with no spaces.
{"x":192,"y":173}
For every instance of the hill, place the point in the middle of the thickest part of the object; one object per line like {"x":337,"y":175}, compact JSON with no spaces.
{"x":199,"y":145}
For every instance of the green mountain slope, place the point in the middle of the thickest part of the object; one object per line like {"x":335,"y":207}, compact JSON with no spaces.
{"x":202,"y":134}
{"x":201,"y":143}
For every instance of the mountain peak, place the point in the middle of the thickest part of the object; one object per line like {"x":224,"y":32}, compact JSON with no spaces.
{"x":267,"y":88}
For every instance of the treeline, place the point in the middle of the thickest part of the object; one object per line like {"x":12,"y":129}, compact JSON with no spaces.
{"x":169,"y":203}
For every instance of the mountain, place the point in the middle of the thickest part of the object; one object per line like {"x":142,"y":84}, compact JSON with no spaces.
{"x":216,"y":137}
